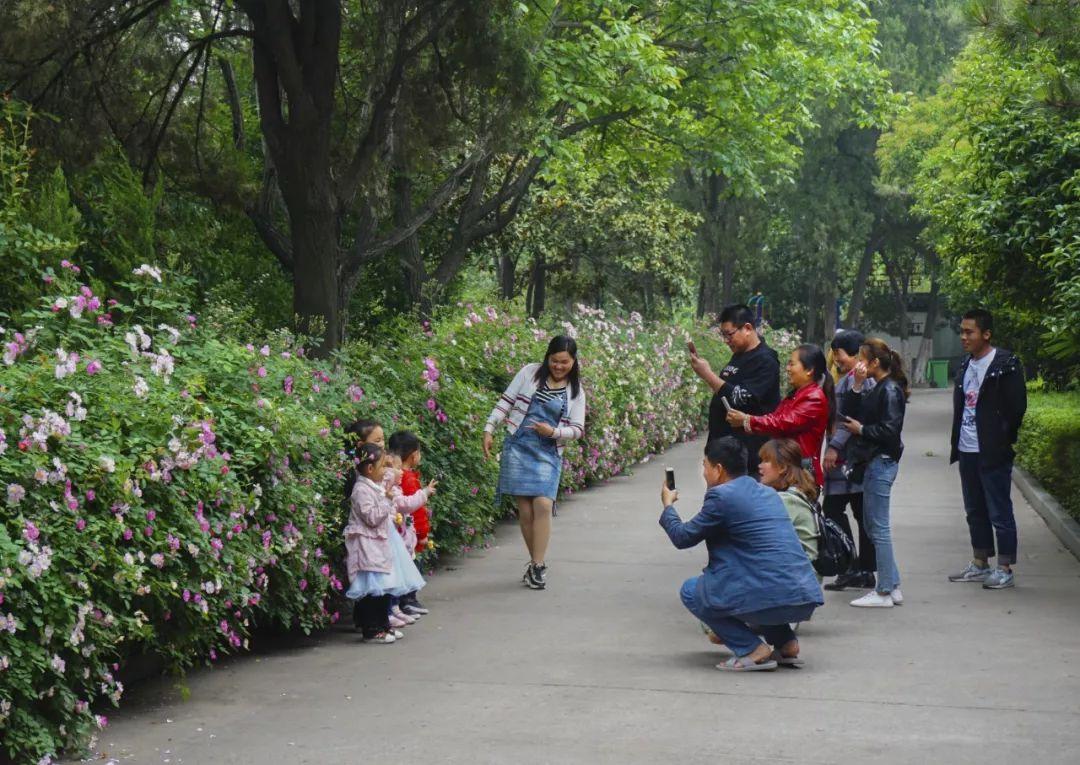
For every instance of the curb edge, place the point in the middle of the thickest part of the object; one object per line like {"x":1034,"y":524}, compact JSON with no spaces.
{"x":1065,"y":528}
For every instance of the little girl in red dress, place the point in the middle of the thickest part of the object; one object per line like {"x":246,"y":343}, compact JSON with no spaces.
{"x":406,"y":446}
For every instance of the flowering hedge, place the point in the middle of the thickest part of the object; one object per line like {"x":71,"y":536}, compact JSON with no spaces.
{"x":168,"y":489}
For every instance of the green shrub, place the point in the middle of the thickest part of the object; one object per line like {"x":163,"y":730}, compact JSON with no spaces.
{"x":1049,"y":445}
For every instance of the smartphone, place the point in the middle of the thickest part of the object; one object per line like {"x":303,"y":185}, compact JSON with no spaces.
{"x":692,"y":348}
{"x":670,"y":478}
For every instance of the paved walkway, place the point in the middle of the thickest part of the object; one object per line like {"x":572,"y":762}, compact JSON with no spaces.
{"x":606,"y":667}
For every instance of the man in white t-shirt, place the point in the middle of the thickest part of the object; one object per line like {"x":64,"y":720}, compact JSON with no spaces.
{"x":989,"y":402}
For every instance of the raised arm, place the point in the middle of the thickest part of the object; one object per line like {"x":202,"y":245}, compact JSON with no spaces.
{"x":410,"y":503}
{"x":686,"y":534}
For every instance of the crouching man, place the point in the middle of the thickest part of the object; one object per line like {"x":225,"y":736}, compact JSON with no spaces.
{"x":758,"y":580}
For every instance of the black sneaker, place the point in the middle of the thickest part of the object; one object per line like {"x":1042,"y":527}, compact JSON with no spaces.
{"x":844,"y":581}
{"x":867,"y":580}
{"x":535,"y":577}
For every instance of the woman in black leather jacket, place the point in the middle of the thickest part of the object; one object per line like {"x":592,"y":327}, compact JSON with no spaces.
{"x":877,"y":420}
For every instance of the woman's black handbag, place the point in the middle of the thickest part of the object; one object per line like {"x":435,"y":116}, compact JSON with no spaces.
{"x":836,"y":551}
{"x":857,"y":455}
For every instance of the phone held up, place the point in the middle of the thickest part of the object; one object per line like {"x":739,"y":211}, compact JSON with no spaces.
{"x":670,"y":478}
{"x":692,"y":348}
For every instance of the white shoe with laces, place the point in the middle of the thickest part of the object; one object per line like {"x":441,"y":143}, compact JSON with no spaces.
{"x":897,"y":597}
{"x":873,"y":599}
{"x":383,"y":638}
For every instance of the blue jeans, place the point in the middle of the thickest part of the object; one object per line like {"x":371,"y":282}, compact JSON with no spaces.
{"x":740,"y":631}
{"x":989,"y":508}
{"x":877,"y":488}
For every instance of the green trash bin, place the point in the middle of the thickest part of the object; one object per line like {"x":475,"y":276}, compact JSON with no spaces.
{"x":937,"y":372}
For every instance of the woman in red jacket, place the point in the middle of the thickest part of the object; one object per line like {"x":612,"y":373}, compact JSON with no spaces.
{"x":807,"y":414}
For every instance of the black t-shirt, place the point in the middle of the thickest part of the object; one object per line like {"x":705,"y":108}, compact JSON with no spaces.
{"x":752,"y":385}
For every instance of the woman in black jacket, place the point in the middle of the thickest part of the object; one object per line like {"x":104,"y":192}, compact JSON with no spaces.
{"x":877,"y":421}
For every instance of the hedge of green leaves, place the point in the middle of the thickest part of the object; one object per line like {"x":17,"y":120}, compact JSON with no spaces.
{"x":167,"y":489}
{"x":1049,"y":445}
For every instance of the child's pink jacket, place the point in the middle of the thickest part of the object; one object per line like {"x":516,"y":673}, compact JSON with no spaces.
{"x":367,"y":539}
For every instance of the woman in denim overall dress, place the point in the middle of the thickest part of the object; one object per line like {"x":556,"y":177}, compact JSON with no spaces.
{"x":543,"y":408}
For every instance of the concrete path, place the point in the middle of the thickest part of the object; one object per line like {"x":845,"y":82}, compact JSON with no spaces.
{"x":606,"y":667}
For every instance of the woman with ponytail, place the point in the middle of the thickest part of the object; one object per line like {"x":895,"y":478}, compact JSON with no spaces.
{"x":876,"y":422}
{"x":807,"y":414}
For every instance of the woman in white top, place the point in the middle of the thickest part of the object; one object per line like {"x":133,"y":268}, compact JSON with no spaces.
{"x":544,"y":407}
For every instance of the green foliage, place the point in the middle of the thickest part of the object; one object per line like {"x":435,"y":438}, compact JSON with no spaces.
{"x":33,"y":227}
{"x":1049,"y":445}
{"x":993,"y":171}
{"x":606,"y":241}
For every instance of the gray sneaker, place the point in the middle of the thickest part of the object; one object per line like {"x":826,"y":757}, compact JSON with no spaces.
{"x":972,"y":573}
{"x":1000,"y":579}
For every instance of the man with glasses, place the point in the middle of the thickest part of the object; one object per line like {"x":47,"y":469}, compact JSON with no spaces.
{"x":750,"y":382}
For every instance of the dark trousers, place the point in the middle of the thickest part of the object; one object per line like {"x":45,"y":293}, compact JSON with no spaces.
{"x":834,"y":506}
{"x":988,"y":505}
{"x":372,"y":615}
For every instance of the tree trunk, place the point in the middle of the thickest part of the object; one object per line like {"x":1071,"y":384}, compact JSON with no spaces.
{"x":413,"y":272}
{"x":319,"y":299}
{"x":728,"y":279}
{"x":539,"y":295}
{"x":295,"y":79}
{"x":714,"y":274}
{"x":709,"y":293}
{"x":507,"y":276}
{"x":862,"y":277}
{"x":926,"y":347}
{"x":812,"y":311}
{"x":831,"y":316}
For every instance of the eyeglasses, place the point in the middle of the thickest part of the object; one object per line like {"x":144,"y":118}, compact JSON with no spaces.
{"x":731,"y":334}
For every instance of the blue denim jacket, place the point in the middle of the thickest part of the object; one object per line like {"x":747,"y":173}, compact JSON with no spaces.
{"x":755,"y":558}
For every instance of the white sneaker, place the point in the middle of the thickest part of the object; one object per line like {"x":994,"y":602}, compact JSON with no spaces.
{"x":398,"y":634}
{"x":873,"y":599}
{"x":897,"y":597}
{"x":383,"y":638}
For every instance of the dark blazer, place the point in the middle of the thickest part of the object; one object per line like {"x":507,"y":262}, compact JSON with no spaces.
{"x":1000,"y":411}
{"x":755,"y":558}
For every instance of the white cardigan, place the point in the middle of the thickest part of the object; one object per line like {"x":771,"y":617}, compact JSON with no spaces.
{"x":514,"y":405}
